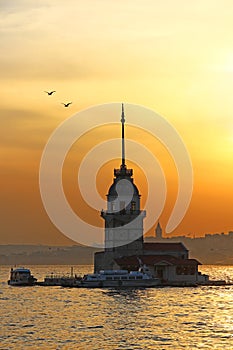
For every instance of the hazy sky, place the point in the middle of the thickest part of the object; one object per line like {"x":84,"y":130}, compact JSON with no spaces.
{"x":175,"y":57}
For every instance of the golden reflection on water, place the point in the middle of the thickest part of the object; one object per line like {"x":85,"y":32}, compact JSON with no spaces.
{"x":156,"y":318}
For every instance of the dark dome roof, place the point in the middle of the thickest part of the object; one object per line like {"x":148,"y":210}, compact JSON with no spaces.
{"x":124,"y":185}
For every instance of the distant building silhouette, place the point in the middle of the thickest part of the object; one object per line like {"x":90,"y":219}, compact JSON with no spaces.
{"x":158,"y":232}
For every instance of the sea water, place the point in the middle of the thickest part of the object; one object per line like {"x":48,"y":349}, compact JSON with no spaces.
{"x":154,"y":318}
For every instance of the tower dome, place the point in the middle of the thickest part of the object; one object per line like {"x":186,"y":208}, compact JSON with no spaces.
{"x":123,"y":194}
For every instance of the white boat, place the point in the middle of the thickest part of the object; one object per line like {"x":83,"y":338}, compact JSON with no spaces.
{"x":21,"y":277}
{"x":118,"y":278}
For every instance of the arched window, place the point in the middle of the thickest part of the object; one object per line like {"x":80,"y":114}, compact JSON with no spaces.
{"x":133,"y":205}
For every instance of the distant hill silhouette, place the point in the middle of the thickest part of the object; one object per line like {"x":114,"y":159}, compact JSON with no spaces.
{"x":211,"y":249}
{"x":45,"y":255}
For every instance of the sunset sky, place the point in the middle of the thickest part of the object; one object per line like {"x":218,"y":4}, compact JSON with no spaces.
{"x":174,"y":57}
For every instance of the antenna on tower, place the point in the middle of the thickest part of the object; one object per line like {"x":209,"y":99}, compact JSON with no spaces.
{"x":123,"y":135}
{"x":123,"y":171}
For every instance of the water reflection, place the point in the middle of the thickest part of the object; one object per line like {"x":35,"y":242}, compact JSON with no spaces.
{"x":127,"y":293}
{"x":154,"y":318}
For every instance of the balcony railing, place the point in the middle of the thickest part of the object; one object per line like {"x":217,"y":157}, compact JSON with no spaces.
{"x":123,"y":212}
{"x":123,"y":171}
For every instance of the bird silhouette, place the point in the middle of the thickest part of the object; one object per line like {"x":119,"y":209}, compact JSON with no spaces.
{"x":66,"y":104}
{"x":50,"y":92}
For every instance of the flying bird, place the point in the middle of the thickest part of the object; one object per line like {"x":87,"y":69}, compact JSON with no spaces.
{"x":50,"y":92}
{"x":66,"y":104}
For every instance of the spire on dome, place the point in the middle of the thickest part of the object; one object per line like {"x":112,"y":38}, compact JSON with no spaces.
{"x":123,"y":136}
{"x":123,"y":171}
{"x":158,"y":231}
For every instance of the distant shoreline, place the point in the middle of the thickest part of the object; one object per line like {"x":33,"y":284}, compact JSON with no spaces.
{"x":214,"y":249}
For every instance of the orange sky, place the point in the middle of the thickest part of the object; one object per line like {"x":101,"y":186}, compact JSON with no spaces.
{"x":174,"y":57}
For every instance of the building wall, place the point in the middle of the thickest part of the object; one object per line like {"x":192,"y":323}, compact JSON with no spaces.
{"x":124,"y":232}
{"x":174,"y":277}
{"x":103,"y":261}
{"x":169,"y":274}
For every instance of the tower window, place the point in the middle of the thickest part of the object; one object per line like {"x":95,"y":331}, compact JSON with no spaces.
{"x":122,"y":205}
{"x":133,"y":205}
{"x":113,"y":206}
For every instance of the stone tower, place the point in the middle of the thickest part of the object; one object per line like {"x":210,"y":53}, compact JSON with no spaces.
{"x":123,"y":217}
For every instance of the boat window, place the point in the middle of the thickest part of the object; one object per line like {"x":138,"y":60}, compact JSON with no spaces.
{"x":108,"y":278}
{"x":139,"y":277}
{"x":124,"y":277}
{"x":117,"y":278}
{"x":131,"y":277}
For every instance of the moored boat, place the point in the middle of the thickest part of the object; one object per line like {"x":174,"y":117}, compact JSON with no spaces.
{"x":71,"y":281}
{"x":118,"y":278}
{"x":50,"y":280}
{"x":61,"y":280}
{"x":21,"y":277}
